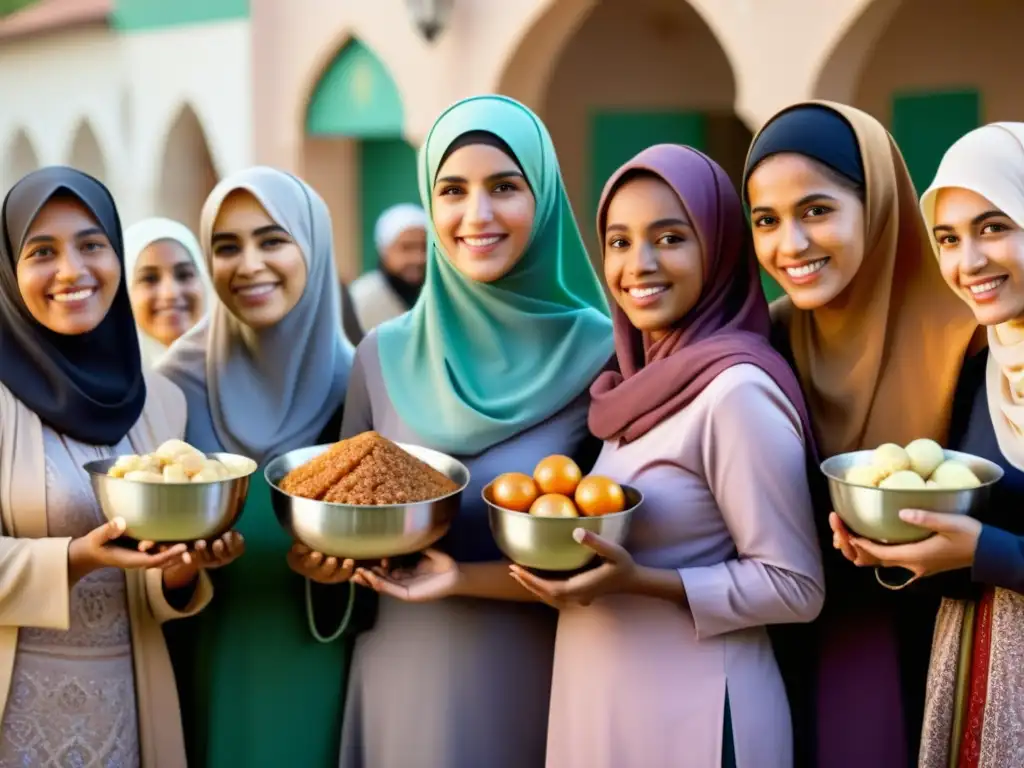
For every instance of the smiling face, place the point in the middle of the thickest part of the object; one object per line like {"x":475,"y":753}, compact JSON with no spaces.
{"x":166,"y":291}
{"x":68,"y":272}
{"x":653,"y":262}
{"x":483,"y":212}
{"x":981,"y":254}
{"x":808,"y":224}
{"x":258,"y":269}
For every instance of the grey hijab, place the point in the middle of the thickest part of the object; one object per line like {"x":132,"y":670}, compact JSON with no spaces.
{"x":267,"y":392}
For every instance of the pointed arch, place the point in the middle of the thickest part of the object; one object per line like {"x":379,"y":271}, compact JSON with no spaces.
{"x":19,"y":159}
{"x":355,"y":96}
{"x":86,"y":154}
{"x":187,"y":173}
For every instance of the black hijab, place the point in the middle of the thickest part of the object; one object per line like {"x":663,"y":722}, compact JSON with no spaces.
{"x":90,"y":386}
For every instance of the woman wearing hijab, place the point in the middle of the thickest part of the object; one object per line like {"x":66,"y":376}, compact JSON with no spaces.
{"x":666,"y":638}
{"x":492,"y":365}
{"x":263,"y":374}
{"x":390,"y":290}
{"x":84,"y":670}
{"x":168,"y":284}
{"x":975,"y":212}
{"x":878,"y":344}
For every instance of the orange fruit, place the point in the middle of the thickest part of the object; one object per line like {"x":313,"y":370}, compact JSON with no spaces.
{"x":557,"y":474}
{"x":515,"y":491}
{"x":554,"y":505}
{"x":599,"y":495}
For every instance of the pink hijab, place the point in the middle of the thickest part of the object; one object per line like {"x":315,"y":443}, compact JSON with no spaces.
{"x":728,"y":326}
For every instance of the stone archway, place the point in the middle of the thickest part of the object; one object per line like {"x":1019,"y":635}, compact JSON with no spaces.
{"x":19,"y":159}
{"x":187,"y":174}
{"x":86,"y":154}
{"x":611,"y":78}
{"x":354,"y":152}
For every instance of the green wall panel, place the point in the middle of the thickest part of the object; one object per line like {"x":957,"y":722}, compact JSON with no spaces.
{"x":387,"y":176}
{"x":925,"y":125}
{"x":617,"y":135}
{"x":153,"y":14}
{"x":355,"y":97}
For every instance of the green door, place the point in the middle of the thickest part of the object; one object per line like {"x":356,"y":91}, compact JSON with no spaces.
{"x":926,"y":124}
{"x":356,"y":99}
{"x":387,"y":176}
{"x":615,"y":136}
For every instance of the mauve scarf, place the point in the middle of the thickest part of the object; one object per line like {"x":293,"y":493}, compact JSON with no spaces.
{"x":728,"y":326}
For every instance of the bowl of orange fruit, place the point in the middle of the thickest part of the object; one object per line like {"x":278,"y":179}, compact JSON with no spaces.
{"x":533,"y":516}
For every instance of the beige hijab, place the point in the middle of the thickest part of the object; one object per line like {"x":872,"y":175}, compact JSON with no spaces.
{"x":880,"y":363}
{"x":990,"y":162}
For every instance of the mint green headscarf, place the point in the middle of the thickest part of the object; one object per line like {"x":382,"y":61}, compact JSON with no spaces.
{"x":473,"y":364}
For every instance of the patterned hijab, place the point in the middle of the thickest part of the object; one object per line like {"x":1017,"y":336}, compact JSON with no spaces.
{"x":89,"y":387}
{"x":473,"y":364}
{"x":272,"y":390}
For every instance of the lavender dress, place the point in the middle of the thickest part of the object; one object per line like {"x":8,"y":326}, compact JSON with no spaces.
{"x":455,"y":683}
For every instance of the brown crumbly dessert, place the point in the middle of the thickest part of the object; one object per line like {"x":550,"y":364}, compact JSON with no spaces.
{"x":367,"y":470}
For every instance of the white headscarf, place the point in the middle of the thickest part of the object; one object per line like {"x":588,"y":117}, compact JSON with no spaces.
{"x":137,"y":238}
{"x":272,"y":390}
{"x":990,"y":162}
{"x":396,"y":220}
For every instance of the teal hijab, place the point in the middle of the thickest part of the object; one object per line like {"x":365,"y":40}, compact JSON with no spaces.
{"x":473,"y":364}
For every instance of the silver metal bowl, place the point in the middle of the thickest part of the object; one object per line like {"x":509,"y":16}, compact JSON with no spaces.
{"x":874,"y":512}
{"x":366,"y":532}
{"x":169,"y":512}
{"x":546,"y":543}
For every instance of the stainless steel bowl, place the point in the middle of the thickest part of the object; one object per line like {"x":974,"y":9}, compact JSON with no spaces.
{"x":366,"y":532}
{"x":546,"y":543}
{"x":169,"y":512}
{"x":874,"y":512}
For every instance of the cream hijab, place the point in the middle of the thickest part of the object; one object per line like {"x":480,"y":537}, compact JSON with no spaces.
{"x":137,"y":238}
{"x":990,"y":161}
{"x":268,"y":391}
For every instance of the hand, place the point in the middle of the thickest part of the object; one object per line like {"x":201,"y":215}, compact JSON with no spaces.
{"x":616,"y":574}
{"x":202,"y":556}
{"x":315,"y":567}
{"x":434,"y":577}
{"x":95,"y":550}
{"x":843,"y":541}
{"x":952,"y":547}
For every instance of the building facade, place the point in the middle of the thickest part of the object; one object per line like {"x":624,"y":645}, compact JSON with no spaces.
{"x":160,"y":99}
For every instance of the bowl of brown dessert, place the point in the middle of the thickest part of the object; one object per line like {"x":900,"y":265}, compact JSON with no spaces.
{"x":366,"y":497}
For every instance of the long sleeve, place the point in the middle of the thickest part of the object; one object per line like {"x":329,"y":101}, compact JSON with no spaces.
{"x":358,"y":409}
{"x":163,"y":610}
{"x":34,"y":590}
{"x":755,"y":466}
{"x":999,"y":559}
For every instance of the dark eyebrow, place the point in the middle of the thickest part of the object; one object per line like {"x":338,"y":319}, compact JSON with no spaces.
{"x":493,"y":177}
{"x":269,"y":229}
{"x":988,"y":215}
{"x":659,"y":224}
{"x":981,"y":217}
{"x":805,"y":200}
{"x":44,"y":238}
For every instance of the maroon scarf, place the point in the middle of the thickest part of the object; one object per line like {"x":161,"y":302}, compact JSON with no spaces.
{"x":728,"y":326}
